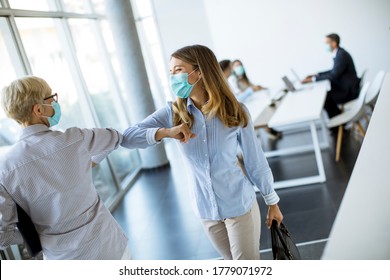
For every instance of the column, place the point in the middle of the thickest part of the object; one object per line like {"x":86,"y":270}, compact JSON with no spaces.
{"x":140,"y":100}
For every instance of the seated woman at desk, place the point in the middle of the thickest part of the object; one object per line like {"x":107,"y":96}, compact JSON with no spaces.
{"x":239,"y":81}
{"x":241,"y":95}
{"x":242,"y":87}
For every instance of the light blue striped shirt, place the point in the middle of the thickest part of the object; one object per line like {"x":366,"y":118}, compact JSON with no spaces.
{"x":219,"y":189}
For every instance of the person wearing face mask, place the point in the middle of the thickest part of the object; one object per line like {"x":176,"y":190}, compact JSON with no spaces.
{"x":48,"y":174}
{"x":222,"y":196}
{"x":226,"y":66}
{"x":343,"y":78}
{"x":239,"y":81}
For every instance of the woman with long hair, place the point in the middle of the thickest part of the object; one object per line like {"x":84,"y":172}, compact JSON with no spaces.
{"x":223,"y":197}
{"x":242,"y":87}
{"x":240,"y":78}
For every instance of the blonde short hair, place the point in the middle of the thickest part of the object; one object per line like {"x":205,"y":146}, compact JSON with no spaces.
{"x":18,"y":98}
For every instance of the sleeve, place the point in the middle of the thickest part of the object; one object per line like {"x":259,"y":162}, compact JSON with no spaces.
{"x":9,"y":233}
{"x":340,"y":64}
{"x":243,"y":96}
{"x":142,"y":135}
{"x":99,"y":142}
{"x":255,"y":163}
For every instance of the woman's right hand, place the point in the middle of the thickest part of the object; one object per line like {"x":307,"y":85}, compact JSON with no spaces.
{"x":181,"y":132}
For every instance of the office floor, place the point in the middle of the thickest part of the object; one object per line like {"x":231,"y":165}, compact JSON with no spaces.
{"x":157,"y":217}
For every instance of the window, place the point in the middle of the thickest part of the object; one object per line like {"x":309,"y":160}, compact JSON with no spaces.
{"x":9,"y":129}
{"x":69,"y":50}
{"x":45,"y":51}
{"x":156,"y":64}
{"x":38,"y":5}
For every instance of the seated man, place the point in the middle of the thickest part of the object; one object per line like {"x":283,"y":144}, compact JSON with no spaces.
{"x":343,"y":78}
{"x":48,"y":173}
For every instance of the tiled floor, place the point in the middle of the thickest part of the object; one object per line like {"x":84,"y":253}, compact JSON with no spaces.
{"x":157,"y":216}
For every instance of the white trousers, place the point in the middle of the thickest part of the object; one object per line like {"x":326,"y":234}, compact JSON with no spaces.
{"x":236,"y":238}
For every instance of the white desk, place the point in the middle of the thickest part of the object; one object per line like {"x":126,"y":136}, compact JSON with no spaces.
{"x":257,"y":103}
{"x":362,"y":226}
{"x":302,"y":108}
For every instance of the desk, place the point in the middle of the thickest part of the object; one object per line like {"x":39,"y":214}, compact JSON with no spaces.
{"x":302,"y":108}
{"x":362,"y":226}
{"x":258,"y":104}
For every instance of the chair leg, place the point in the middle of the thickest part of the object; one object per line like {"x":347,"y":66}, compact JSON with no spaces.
{"x":339,"y":141}
{"x":361,"y":129}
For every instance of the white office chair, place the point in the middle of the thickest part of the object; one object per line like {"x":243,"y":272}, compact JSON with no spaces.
{"x":375,"y":88}
{"x":372,"y":92}
{"x":352,"y":114}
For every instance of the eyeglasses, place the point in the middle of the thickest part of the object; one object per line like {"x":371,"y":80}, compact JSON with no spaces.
{"x":54,"y":96}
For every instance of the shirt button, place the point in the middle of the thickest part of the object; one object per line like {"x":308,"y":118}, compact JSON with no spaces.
{"x":204,"y":140}
{"x":205,"y":155}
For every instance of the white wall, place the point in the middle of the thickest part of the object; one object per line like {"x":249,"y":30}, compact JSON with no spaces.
{"x":273,"y":36}
{"x":182,"y":23}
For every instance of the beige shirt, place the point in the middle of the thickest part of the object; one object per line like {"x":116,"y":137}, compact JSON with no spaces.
{"x":48,"y":173}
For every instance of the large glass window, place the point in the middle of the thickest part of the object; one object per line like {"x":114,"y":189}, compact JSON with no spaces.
{"x":104,"y":93}
{"x":47,"y":58}
{"x":80,"y":6}
{"x":72,"y":53}
{"x":38,"y":5}
{"x":9,"y":129}
{"x":156,"y":64}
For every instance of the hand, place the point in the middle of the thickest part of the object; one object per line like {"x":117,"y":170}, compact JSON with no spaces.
{"x":181,"y":132}
{"x":274,"y":213}
{"x":308,"y":79}
{"x":257,"y":88}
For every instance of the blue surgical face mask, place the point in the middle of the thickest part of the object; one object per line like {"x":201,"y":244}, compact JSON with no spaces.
{"x":180,"y":85}
{"x":55,"y":119}
{"x":239,"y":70}
{"x":328,"y":48}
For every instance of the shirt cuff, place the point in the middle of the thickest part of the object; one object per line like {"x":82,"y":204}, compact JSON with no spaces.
{"x":151,"y":135}
{"x":271,"y":199}
{"x":314,"y":78}
{"x":98,"y":158}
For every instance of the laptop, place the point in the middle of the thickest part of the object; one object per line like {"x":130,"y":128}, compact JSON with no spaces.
{"x":290,"y":86}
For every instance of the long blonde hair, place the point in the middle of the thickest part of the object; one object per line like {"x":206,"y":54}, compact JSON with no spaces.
{"x":222,"y":103}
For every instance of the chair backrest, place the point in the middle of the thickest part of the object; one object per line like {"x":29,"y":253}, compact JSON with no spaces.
{"x":353,"y":112}
{"x":375,"y":87}
{"x":356,"y":111}
{"x":362,"y":78}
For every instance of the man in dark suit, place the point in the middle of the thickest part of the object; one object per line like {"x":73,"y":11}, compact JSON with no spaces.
{"x":343,"y":78}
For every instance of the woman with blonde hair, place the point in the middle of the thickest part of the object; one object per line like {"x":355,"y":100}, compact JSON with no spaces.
{"x":223,"y":197}
{"x":48,"y":175}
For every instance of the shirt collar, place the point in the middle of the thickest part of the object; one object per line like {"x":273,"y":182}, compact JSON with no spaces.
{"x":334,"y":52}
{"x":33,"y":129}
{"x":189,"y":104}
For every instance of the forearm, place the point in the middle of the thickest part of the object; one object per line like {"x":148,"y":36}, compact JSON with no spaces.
{"x":245,"y":94}
{"x":264,"y":181}
{"x":137,"y":137}
{"x":161,"y":133}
